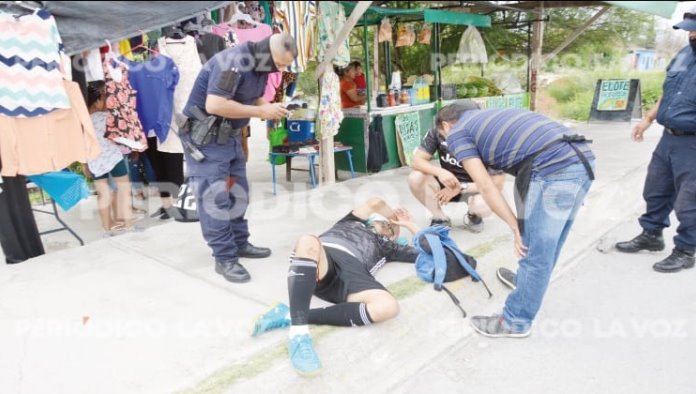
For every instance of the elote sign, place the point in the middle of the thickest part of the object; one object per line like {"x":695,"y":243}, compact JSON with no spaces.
{"x":616,"y":99}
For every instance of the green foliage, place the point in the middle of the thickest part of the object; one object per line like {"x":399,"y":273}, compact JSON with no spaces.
{"x":307,"y":84}
{"x":565,"y":89}
{"x":578,"y":107}
{"x":574,"y":94}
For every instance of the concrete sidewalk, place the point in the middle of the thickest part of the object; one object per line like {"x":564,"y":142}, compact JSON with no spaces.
{"x":145,"y":312}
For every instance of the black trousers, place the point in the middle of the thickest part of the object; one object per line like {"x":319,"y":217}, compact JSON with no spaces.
{"x":169,"y":169}
{"x":671,"y":185}
{"x":19,"y":235}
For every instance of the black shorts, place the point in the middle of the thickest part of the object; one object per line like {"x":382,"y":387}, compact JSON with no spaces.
{"x":346,"y":275}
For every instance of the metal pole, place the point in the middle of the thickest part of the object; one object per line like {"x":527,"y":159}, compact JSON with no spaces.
{"x":366,"y":47}
{"x":438,"y":69}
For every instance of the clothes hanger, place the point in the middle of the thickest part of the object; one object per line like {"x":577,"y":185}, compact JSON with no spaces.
{"x":141,"y":46}
{"x":240,"y":16}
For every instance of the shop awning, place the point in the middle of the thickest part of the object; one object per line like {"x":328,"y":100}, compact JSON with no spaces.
{"x":374,"y":15}
{"x":664,"y":9}
{"x":86,"y":25}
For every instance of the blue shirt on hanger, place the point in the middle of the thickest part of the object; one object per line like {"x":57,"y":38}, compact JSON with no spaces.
{"x":154,"y":82}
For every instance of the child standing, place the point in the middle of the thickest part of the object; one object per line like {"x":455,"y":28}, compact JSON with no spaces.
{"x":115,"y":209}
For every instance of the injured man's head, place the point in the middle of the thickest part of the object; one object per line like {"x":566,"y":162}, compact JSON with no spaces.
{"x":383,"y":226}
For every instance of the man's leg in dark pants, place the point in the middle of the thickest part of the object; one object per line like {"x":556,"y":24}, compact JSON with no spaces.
{"x":658,"y":192}
{"x":684,"y":169}
{"x":239,"y":196}
{"x":214,"y":205}
{"x":659,"y":195}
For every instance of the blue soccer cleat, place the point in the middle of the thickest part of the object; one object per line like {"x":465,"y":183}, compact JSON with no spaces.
{"x":276,"y":317}
{"x":302,"y":355}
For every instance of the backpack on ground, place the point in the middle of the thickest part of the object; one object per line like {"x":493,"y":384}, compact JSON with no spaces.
{"x":440,"y":260}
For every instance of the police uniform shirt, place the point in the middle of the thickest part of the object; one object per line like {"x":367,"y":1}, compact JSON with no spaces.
{"x":678,"y":106}
{"x":230,"y":74}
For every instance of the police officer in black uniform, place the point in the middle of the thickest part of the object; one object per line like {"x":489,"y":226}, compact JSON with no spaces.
{"x":671,"y":181}
{"x":227,"y":92}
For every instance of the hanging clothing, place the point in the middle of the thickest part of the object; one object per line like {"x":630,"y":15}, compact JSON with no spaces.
{"x":272,"y":86}
{"x":185,"y":55}
{"x":331,"y":21}
{"x":286,"y":81}
{"x":253,"y":34}
{"x":267,"y":12}
{"x":93,"y":66}
{"x":52,"y":142}
{"x":168,"y":167}
{"x":154,"y":82}
{"x":122,"y":123}
{"x":124,"y":48}
{"x":299,"y":18}
{"x":19,"y":236}
{"x":330,"y":113}
{"x":209,"y":45}
{"x":110,"y":154}
{"x":377,"y":154}
{"x":31,"y":65}
{"x":66,"y":188}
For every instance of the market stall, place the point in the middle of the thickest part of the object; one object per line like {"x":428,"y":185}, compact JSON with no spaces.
{"x":404,"y":123}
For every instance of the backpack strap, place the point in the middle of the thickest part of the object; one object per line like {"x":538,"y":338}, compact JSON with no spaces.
{"x":455,"y":300}
{"x":439,"y":259}
{"x":449,"y":244}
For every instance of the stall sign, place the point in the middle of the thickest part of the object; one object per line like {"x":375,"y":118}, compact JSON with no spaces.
{"x":408,"y":135}
{"x":514,"y":101}
{"x":613,"y":94}
{"x":616,"y":100}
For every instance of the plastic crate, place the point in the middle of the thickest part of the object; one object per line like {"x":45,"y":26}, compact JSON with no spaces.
{"x":300,"y":130}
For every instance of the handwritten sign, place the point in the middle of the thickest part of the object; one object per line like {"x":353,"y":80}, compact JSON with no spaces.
{"x":518,"y":101}
{"x":408,"y":135}
{"x":616,"y":100}
{"x":613,"y":95}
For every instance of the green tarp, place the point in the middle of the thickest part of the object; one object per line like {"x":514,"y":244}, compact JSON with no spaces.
{"x":664,"y":9}
{"x":374,"y":15}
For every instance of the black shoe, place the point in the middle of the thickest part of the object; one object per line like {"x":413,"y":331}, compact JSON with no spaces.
{"x":169,"y":213}
{"x":232,"y":271}
{"x":675,"y":262}
{"x":159,"y":212}
{"x":441,"y":222}
{"x":645,"y":241}
{"x":252,"y":252}
{"x":473,"y":223}
{"x":508,"y":277}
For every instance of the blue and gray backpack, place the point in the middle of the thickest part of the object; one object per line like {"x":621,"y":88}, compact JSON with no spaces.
{"x":440,"y":260}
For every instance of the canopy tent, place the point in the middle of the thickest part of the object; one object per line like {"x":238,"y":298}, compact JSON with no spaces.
{"x":659,"y":8}
{"x":374,"y":15}
{"x":664,"y":9}
{"x":86,"y":25}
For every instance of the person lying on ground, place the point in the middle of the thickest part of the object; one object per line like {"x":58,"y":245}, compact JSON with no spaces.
{"x":338,"y":267}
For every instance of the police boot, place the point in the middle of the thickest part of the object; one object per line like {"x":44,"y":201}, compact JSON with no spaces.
{"x":232,"y":271}
{"x":252,"y":252}
{"x":676,"y":261}
{"x":651,"y":241}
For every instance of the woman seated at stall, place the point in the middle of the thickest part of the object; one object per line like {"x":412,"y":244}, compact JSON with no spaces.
{"x":350,"y":97}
